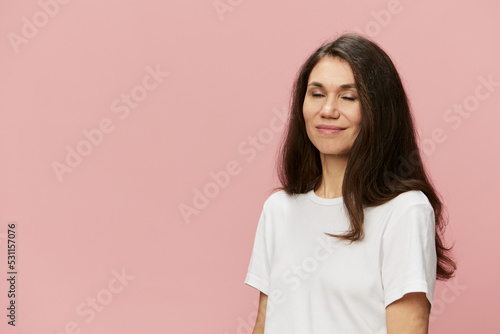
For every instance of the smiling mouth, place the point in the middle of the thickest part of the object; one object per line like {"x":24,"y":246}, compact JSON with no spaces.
{"x":329,"y":129}
{"x":326,"y":131}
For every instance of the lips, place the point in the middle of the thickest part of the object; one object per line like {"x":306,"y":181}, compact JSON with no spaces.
{"x":329,"y":130}
{"x":328,"y":127}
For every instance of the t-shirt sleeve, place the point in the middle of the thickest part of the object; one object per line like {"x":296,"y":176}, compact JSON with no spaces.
{"x":259,"y":267}
{"x":408,"y":253}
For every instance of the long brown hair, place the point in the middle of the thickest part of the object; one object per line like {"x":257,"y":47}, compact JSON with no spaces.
{"x":384,"y":160}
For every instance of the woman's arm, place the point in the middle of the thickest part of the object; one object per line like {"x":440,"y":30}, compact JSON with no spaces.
{"x":408,"y":315}
{"x":260,"y":323}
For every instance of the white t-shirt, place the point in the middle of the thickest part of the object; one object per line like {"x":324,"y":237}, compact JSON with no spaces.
{"x":320,"y":284}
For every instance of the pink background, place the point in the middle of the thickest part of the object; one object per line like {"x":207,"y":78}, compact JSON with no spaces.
{"x":229,"y":80}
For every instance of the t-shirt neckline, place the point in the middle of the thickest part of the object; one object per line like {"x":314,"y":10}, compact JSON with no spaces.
{"x":324,"y":201}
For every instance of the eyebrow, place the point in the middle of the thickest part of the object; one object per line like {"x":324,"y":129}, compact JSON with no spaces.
{"x":344,"y":86}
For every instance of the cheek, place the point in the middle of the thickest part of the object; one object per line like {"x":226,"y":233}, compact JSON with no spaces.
{"x":309,"y":109}
{"x":356,"y":118}
{"x":307,"y":123}
{"x":307,"y":115}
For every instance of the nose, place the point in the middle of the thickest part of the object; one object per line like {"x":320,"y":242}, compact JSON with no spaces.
{"x":329,"y":109}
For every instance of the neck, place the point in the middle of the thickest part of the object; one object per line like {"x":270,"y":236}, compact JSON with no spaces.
{"x":333,"y":169}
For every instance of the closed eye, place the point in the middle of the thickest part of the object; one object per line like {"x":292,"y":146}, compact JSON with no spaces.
{"x":349,"y":98}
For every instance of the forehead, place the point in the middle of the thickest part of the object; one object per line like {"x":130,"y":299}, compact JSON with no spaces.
{"x":331,"y":70}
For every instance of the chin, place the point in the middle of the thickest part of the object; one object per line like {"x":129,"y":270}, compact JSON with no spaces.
{"x":334,"y":151}
{"x":339,"y":154}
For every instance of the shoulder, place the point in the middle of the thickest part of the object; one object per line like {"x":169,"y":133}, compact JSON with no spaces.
{"x":277,"y":198}
{"x":405,"y":205}
{"x":410,"y":206}
{"x":410,"y":198}
{"x":280,"y":199}
{"x":403,"y":202}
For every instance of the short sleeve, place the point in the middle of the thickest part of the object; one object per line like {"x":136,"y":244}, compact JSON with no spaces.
{"x":259,"y":267}
{"x":409,"y":258}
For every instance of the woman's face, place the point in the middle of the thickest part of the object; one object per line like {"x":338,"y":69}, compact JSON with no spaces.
{"x":332,"y":111}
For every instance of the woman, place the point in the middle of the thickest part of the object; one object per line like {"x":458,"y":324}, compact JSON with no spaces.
{"x":350,"y":243}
